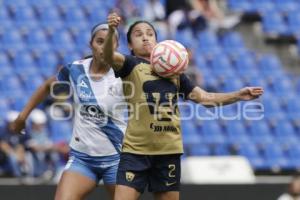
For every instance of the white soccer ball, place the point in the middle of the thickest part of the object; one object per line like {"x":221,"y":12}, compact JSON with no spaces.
{"x":169,"y":58}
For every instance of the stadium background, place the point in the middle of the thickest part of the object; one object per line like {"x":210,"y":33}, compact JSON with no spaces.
{"x":238,"y":43}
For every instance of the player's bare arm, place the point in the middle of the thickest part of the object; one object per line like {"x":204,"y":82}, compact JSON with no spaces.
{"x":41,"y":93}
{"x":209,"y":99}
{"x":114,"y":59}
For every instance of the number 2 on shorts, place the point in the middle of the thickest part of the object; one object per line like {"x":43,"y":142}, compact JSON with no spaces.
{"x":172,"y":168}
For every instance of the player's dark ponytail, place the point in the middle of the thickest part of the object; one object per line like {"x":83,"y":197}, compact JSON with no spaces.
{"x":133,"y":25}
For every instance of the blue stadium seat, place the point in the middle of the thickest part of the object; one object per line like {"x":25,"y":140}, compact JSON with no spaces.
{"x":282,"y":87}
{"x":210,"y":82}
{"x":138,"y":3}
{"x":4,"y":61}
{"x":123,"y":48}
{"x":284,"y":133}
{"x":212,"y":133}
{"x":258,"y":6}
{"x":4,"y":14}
{"x":39,"y":4}
{"x":71,"y":56}
{"x":24,"y":64}
{"x":260,"y":133}
{"x":199,"y":150}
{"x":6,"y":71}
{"x":50,"y":18}
{"x":97,"y":15}
{"x":185,"y":36}
{"x":5,"y":18}
{"x":75,"y":18}
{"x":208,"y":43}
{"x":239,"y":6}
{"x":9,"y":86}
{"x":92,"y":3}
{"x":200,"y":62}
{"x":298,"y":86}
{"x":6,"y":68}
{"x":287,"y":5}
{"x":32,"y":82}
{"x":111,"y":4}
{"x":293,"y":21}
{"x":37,"y":40}
{"x":293,"y":108}
{"x":273,"y":24}
{"x":61,"y":131}
{"x":270,"y":65}
{"x":24,"y":14}
{"x":275,"y":157}
{"x":189,"y":132}
{"x":221,"y":150}
{"x":13,"y":4}
{"x":65,"y":5}
{"x":4,"y":108}
{"x":234,"y":85}
{"x":272,"y":108}
{"x":221,"y":66}
{"x":293,"y":153}
{"x":47,"y":64}
{"x":23,"y":59}
{"x":251,"y":152}
{"x":245,"y":65}
{"x":82,"y":40}
{"x":233,"y":43}
{"x":257,"y":81}
{"x":12,"y":40}
{"x":236,"y":133}
{"x":61,"y":40}
{"x":19,"y":101}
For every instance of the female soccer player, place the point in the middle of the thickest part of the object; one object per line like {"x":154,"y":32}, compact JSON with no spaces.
{"x":153,"y":142}
{"x":98,"y":128}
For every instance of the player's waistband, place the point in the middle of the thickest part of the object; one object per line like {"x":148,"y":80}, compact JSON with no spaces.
{"x":95,"y":160}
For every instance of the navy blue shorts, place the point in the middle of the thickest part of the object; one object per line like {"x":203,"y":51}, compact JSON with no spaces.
{"x":161,"y":173}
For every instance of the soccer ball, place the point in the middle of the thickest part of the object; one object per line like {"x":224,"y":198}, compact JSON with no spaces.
{"x":169,"y":58}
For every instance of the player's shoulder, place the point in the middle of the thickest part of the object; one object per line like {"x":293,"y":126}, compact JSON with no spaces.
{"x":85,"y":61}
{"x":79,"y":63}
{"x":136,"y":60}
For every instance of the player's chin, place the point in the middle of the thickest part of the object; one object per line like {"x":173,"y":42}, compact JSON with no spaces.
{"x":145,"y":53}
{"x":147,"y":49}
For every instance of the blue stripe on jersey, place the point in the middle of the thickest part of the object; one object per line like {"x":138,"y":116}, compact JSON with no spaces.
{"x":86,"y":96}
{"x":114,"y":134}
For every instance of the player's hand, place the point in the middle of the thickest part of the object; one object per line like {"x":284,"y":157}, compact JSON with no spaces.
{"x":113,"y":20}
{"x":250,"y":93}
{"x":18,"y":125}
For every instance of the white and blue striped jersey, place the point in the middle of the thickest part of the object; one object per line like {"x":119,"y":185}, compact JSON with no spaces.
{"x":99,"y":124}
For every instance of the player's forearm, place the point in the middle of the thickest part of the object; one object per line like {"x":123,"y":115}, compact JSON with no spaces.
{"x":219,"y":99}
{"x":39,"y":96}
{"x":209,"y":99}
{"x":109,"y":47}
